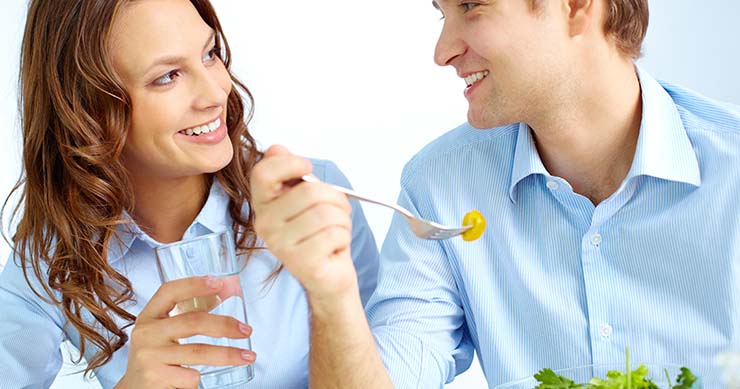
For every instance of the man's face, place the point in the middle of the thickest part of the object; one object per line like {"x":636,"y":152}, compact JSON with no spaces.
{"x":509,"y":55}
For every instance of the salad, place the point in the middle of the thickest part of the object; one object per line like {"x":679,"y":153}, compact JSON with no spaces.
{"x":628,"y":379}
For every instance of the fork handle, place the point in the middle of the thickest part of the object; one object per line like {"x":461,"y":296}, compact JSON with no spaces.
{"x":353,"y":194}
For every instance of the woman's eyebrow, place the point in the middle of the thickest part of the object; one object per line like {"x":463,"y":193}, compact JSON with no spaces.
{"x":174,"y":59}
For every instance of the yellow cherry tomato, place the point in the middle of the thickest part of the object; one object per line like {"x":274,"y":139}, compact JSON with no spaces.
{"x":475,"y":219}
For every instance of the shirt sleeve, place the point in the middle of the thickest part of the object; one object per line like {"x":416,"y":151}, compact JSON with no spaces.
{"x":364,"y":249}
{"x":416,"y":314}
{"x":30,"y":332}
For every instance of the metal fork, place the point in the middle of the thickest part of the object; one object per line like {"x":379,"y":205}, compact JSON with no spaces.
{"x":424,"y":229}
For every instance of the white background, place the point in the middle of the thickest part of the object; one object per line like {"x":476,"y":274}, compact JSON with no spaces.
{"x":354,"y":82}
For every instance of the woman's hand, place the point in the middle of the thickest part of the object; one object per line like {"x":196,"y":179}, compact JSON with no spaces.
{"x":307,"y":226}
{"x":156,"y":359}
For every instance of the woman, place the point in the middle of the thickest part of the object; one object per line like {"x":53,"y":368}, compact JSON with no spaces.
{"x":134,"y":135}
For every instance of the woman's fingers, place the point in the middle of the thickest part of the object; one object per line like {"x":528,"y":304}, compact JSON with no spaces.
{"x":170,"y":330}
{"x":173,"y":292}
{"x":204,"y":354}
{"x":162,"y":376}
{"x":155,"y":353}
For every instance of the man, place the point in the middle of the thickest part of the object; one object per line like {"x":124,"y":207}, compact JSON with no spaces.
{"x":611,"y":205}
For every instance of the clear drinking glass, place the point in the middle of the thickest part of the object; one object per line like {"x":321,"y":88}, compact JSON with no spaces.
{"x":210,"y":255}
{"x":729,"y":362}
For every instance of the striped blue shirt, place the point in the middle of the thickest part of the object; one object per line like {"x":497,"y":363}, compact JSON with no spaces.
{"x":32,"y":330}
{"x":556,"y":281}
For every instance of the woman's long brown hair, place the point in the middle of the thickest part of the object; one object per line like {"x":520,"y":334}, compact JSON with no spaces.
{"x":74,"y":188}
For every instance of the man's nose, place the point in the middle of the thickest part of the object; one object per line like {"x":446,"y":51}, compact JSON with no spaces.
{"x":449,"y":45}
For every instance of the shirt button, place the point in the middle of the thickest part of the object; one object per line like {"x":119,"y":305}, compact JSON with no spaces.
{"x":605,"y":331}
{"x":596,"y":239}
{"x":190,"y":252}
{"x":552,"y":185}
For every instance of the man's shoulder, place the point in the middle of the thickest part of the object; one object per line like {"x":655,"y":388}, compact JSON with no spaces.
{"x":701,"y":113}
{"x":462,"y":142}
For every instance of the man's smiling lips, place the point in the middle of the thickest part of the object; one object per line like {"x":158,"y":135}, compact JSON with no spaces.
{"x":472,"y":80}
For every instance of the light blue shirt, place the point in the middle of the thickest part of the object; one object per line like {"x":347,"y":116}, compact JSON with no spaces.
{"x":556,"y":281}
{"x":31,"y":330}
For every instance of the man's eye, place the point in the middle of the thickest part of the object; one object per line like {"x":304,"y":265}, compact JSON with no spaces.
{"x":438,"y":8}
{"x":468,"y":6}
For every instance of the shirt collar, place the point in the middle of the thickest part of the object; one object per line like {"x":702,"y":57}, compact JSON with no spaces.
{"x":663,"y":146}
{"x":214,"y":216}
{"x":526,"y":159}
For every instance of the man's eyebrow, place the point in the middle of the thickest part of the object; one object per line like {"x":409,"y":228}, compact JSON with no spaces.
{"x":435,"y":5}
{"x":174,"y":59}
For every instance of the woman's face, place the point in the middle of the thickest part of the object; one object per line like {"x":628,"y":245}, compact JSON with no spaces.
{"x":165,"y":54}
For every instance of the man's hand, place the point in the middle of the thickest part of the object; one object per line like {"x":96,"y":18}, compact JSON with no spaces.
{"x":307,"y":226}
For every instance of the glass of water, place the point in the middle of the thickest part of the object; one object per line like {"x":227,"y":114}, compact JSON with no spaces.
{"x":730,"y":365}
{"x":210,"y":255}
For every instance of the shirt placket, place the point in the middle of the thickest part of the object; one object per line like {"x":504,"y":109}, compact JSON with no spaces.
{"x":603,"y":325}
{"x":607,"y":340}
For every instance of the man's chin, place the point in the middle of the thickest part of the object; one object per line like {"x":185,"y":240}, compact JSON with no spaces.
{"x":484,"y":121}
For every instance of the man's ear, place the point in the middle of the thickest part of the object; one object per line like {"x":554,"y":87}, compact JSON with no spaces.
{"x":581,"y":14}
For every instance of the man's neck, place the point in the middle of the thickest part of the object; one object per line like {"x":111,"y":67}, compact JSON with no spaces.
{"x":164,"y":208}
{"x":590,"y":139}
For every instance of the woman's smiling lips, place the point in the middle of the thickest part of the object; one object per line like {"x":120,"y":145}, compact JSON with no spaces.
{"x":210,"y":133}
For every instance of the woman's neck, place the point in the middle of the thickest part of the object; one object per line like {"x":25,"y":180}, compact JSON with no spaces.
{"x":165,"y":208}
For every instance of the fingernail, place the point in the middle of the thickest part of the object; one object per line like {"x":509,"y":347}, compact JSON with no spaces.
{"x":248,"y":356}
{"x":214,"y":283}
{"x":244,"y":329}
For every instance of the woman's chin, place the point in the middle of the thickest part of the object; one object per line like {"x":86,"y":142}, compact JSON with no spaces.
{"x":212,"y":163}
{"x":218,"y":159}
{"x":217,"y":165}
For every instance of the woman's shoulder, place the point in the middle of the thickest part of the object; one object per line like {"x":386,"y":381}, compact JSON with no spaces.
{"x":19,"y":288}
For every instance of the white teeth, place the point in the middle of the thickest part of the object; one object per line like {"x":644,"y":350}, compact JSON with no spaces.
{"x":471,"y":79}
{"x":204,"y":129}
{"x":214,"y":125}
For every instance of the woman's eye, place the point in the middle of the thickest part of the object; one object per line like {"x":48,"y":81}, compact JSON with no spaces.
{"x":211,"y":55}
{"x":167,"y":79}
